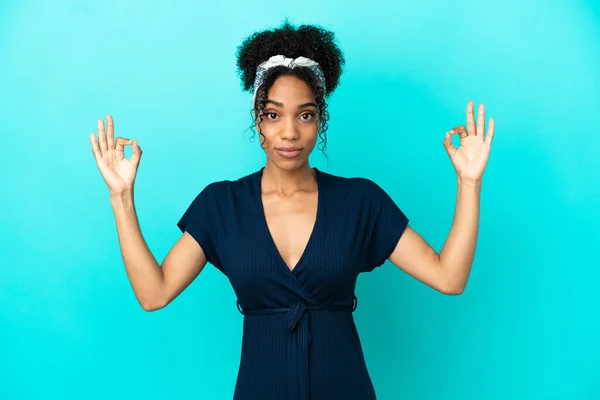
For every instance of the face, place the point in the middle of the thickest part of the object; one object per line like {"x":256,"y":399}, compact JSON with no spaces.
{"x":290,"y":123}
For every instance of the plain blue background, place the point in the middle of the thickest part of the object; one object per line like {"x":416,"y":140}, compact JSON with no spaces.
{"x":525,"y":328}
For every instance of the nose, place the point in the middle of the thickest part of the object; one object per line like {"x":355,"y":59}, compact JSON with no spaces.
{"x":289,"y":130}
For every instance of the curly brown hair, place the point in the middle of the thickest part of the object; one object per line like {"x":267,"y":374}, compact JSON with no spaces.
{"x":309,"y":41}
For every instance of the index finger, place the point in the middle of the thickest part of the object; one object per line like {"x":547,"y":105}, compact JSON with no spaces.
{"x":481,"y":120}
{"x":110,"y":132}
{"x":471,"y":119}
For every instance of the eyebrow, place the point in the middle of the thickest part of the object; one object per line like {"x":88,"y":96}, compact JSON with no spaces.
{"x":278,"y":104}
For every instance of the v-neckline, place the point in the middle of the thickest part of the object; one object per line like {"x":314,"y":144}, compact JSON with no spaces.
{"x":265,"y":224}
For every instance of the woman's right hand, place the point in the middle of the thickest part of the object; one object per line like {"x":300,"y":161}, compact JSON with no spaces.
{"x":118,"y":172}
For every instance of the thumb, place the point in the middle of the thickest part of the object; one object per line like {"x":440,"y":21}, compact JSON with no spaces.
{"x":137,"y":153}
{"x":450,"y":149}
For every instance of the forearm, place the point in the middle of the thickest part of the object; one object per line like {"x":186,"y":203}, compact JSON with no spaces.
{"x":144,"y":272}
{"x":456,"y":257}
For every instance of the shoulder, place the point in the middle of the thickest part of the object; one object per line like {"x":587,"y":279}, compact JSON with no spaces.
{"x":218,"y":192}
{"x":361,"y":186}
{"x":360,"y":194}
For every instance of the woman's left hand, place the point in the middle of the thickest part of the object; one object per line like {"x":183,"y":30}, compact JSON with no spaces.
{"x":471,"y":158}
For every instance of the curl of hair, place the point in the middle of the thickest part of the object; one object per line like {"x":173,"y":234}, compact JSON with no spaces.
{"x":309,"y":41}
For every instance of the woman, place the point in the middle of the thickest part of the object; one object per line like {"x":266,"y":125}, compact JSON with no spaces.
{"x":292,"y":239}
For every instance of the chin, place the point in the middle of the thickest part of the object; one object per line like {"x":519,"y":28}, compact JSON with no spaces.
{"x":288,"y":164}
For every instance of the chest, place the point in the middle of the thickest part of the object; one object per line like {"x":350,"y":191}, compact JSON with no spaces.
{"x":290,"y":222}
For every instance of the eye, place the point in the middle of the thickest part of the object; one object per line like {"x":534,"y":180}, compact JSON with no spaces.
{"x":271,"y":115}
{"x":308,"y":116}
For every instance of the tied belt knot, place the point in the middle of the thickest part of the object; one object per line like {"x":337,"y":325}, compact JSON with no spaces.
{"x":298,"y":350}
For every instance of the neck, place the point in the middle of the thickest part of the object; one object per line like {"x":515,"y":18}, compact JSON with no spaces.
{"x":275,"y":179}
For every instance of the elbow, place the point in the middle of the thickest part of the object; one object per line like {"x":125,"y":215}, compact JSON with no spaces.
{"x":453,"y":290}
{"x":149,"y":307}
{"x":451,"y":284}
{"x":452,"y":287}
{"x":152,"y":305}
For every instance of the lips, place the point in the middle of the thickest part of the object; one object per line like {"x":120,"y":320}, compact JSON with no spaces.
{"x":288,"y":152}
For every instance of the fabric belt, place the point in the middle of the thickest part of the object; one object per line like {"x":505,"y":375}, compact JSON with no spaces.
{"x":298,"y":351}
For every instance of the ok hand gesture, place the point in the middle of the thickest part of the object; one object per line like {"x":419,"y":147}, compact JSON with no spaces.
{"x":118,"y":172}
{"x":471,"y":158}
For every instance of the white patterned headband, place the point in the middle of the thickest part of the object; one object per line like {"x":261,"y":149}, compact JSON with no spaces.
{"x":291,"y":63}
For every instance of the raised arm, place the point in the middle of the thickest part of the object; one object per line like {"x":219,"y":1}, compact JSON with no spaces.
{"x":449,"y":270}
{"x":154,"y":285}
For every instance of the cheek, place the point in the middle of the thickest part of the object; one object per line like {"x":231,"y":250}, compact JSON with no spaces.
{"x":266,"y":138}
{"x":314,"y":134}
{"x":313,"y":142}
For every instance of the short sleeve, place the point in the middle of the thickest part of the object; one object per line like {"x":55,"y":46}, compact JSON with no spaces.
{"x":198,"y":221}
{"x":385,"y":223}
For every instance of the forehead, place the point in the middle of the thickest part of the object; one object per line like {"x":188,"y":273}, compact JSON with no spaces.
{"x":291,"y":89}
